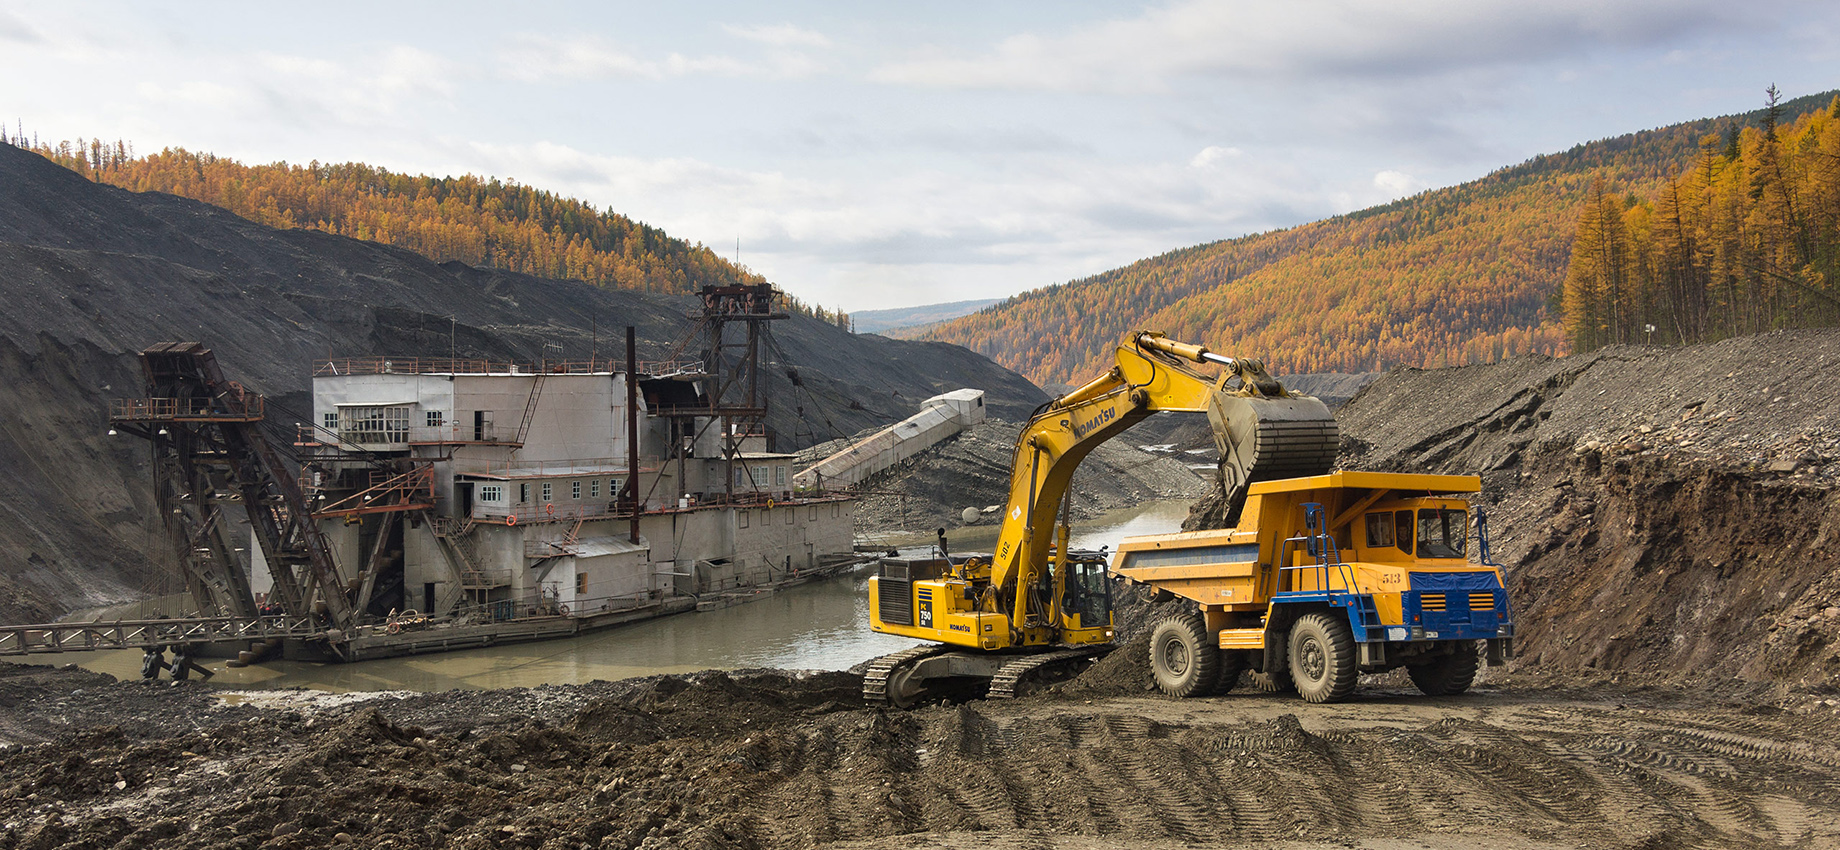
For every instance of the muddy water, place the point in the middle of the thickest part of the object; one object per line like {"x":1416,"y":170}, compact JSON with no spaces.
{"x":821,"y":626}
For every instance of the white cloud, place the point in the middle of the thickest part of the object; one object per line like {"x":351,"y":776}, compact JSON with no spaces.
{"x":1212,"y":155}
{"x":15,"y":30}
{"x":531,"y":58}
{"x":1306,"y":38}
{"x":384,"y":86}
{"x":1398,"y":184}
{"x":779,"y":35}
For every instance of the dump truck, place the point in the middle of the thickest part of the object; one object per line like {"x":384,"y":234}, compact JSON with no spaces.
{"x":1323,"y":578}
{"x":997,"y":623}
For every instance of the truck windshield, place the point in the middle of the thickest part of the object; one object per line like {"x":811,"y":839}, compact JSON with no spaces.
{"x":1442,"y":533}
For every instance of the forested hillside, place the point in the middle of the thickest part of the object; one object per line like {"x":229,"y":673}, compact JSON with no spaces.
{"x":478,"y":221}
{"x":1465,"y":274}
{"x":1745,"y":239}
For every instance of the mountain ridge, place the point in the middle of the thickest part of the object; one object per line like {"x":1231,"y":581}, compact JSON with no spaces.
{"x":1462,"y":274}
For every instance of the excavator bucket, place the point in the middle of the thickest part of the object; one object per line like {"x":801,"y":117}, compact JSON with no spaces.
{"x":1263,"y":439}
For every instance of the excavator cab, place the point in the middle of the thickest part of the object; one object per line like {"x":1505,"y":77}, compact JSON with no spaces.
{"x":1086,"y":603}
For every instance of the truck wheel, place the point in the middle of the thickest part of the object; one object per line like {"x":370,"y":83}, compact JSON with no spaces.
{"x":1446,"y":675}
{"x":1322,"y":658}
{"x":1232,"y":664}
{"x":1184,"y":663}
{"x":1276,"y":680}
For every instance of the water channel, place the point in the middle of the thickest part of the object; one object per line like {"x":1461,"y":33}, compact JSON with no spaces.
{"x":822,"y":626}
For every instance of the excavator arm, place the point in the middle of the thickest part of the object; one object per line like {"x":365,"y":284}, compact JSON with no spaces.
{"x":1262,"y":431}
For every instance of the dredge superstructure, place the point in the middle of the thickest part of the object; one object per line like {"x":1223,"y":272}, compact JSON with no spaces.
{"x":442,"y":503}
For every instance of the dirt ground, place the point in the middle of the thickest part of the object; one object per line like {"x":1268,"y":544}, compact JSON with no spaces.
{"x":779,"y":760}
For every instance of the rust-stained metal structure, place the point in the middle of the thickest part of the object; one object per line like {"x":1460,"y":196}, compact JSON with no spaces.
{"x":735,"y":401}
{"x":209,"y":454}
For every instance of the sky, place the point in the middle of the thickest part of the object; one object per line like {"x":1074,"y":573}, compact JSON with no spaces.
{"x":878,"y":155}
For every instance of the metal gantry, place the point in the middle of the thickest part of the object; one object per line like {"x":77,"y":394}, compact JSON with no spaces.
{"x":209,"y":451}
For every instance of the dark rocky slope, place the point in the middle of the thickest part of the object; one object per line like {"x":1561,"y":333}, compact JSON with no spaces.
{"x":1671,"y":513}
{"x":91,"y":274}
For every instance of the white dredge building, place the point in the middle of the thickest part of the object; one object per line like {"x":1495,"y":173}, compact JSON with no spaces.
{"x":493,"y":491}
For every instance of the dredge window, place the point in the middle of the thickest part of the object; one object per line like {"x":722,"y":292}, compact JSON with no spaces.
{"x":379,"y":424}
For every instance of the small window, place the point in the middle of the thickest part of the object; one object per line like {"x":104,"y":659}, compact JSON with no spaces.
{"x":330,"y":421}
{"x":436,"y":419}
{"x":492,"y":493}
{"x":779,"y":476}
{"x":581,"y":584}
{"x":1402,"y":527}
{"x":594,"y":488}
{"x":575,"y":490}
{"x":613,"y":487}
{"x":814,"y":513}
{"x":789,"y":513}
{"x":836,"y":510}
{"x":523,"y":494}
{"x":1379,"y":530}
{"x":741,"y":519}
{"x":546,"y":491}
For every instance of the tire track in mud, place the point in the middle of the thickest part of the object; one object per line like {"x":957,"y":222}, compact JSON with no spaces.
{"x":723,"y":767}
{"x":1588,"y":775}
{"x":1140,"y":749}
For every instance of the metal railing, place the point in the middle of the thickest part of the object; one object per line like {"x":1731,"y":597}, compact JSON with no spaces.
{"x":472,"y":366}
{"x":537,"y":605}
{"x":1320,"y":544}
{"x":247,"y":407}
{"x":141,"y":634}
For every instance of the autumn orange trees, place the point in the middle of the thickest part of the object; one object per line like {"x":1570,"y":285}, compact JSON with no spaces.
{"x":1746,"y":239}
{"x":481,"y":222}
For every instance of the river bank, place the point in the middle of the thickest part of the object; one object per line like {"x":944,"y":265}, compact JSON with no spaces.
{"x":817,"y":626}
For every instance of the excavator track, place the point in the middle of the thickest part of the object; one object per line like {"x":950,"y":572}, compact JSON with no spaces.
{"x":1004,"y":684}
{"x":875,"y":679}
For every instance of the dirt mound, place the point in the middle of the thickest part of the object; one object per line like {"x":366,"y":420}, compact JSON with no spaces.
{"x":932,"y":489}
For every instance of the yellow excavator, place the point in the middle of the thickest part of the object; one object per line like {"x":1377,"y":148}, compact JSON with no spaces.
{"x":1034,"y":609}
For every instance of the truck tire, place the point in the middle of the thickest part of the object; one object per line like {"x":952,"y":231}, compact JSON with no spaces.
{"x":1322,"y":658}
{"x":1232,"y":664}
{"x":1446,"y":675}
{"x":1276,"y":680}
{"x":1184,"y":663}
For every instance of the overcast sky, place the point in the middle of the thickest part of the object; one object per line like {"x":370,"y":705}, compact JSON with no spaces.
{"x":887,"y":155}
